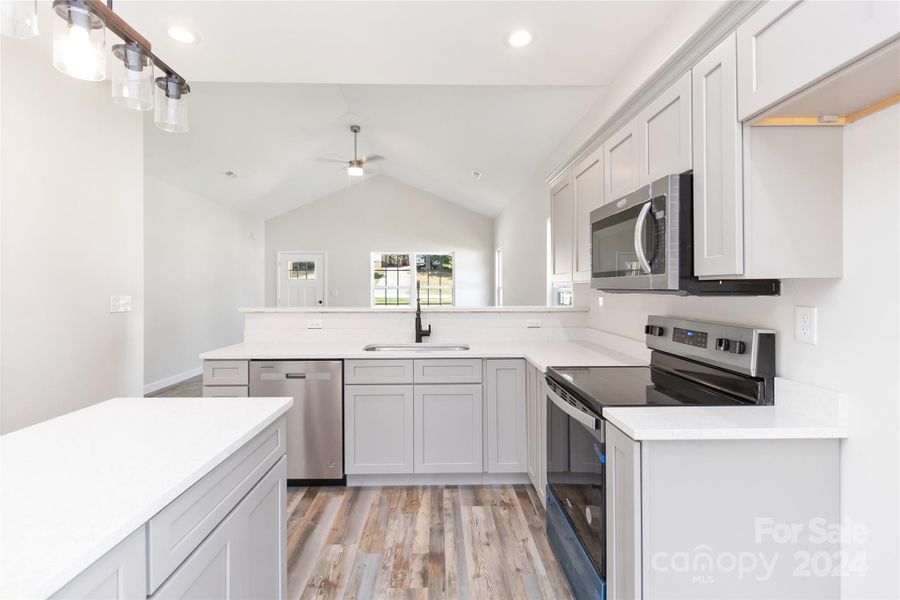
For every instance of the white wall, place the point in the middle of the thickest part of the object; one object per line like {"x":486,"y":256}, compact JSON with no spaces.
{"x":202,"y":262}
{"x":71,"y":235}
{"x":383,"y":215}
{"x":858,"y":349}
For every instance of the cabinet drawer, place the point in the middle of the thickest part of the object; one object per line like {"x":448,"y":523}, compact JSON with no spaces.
{"x":225,"y":391}
{"x":180,"y":527}
{"x":449,"y":370}
{"x":225,"y":372}
{"x":378,"y":371}
{"x":119,"y":574}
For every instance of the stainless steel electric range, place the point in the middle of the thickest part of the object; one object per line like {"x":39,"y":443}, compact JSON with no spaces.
{"x":693,"y":363}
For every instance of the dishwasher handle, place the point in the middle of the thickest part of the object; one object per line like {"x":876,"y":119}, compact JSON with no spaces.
{"x":284,"y":376}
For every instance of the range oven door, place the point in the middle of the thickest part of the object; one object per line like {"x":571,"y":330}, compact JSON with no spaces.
{"x":634,"y":241}
{"x":576,"y":493}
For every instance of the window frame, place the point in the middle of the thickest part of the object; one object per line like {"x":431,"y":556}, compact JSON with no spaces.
{"x":412,"y":280}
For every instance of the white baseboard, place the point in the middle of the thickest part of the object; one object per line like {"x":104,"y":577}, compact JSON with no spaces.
{"x":172,"y":380}
{"x":437,"y":479}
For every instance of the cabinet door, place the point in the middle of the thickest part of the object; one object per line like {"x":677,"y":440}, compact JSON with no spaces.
{"x":620,"y":162}
{"x":532,"y":418}
{"x":588,"y":181}
{"x":119,"y":574}
{"x":623,"y":515}
{"x":245,"y":555}
{"x":718,"y":181}
{"x":561,"y":220}
{"x":448,"y":430}
{"x":378,"y":428}
{"x":505,"y":390}
{"x":664,"y":130}
{"x":785,"y":46}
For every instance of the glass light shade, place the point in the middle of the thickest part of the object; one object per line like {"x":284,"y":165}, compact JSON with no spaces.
{"x":79,"y":42}
{"x":172,"y":104}
{"x":355,"y":171}
{"x":132,"y":77}
{"x":18,"y":18}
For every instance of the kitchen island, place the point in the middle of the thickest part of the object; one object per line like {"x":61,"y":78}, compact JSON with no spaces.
{"x":131,"y":496}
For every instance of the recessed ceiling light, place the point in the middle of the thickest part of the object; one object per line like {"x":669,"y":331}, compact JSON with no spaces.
{"x":520,"y":39}
{"x":231,"y":174}
{"x":183,"y":35}
{"x":476,"y":174}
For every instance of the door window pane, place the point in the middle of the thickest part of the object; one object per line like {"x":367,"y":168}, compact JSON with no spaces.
{"x":301,"y":269}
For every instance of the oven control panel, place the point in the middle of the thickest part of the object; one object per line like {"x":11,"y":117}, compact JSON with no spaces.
{"x":748,"y":350}
{"x":691,"y":337}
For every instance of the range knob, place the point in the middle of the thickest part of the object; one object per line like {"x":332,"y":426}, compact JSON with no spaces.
{"x":654,"y":330}
{"x":737,"y":347}
{"x":723,"y":344}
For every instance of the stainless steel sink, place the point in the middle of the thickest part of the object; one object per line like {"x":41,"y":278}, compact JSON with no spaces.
{"x":416,"y":348}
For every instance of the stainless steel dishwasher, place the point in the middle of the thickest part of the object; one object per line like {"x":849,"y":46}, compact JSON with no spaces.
{"x":315,"y":428}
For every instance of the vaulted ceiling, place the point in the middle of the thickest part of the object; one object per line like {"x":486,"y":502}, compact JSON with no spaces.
{"x":433,"y":84}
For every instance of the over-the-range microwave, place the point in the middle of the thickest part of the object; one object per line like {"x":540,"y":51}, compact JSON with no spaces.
{"x":644,"y":242}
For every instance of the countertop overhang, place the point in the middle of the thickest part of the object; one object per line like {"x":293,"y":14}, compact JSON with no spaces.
{"x":73,"y":487}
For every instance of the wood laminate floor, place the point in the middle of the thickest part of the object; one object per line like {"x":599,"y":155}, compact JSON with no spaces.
{"x":429,"y":542}
{"x":478,"y":542}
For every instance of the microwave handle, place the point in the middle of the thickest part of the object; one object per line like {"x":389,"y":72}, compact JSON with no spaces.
{"x":638,"y":242}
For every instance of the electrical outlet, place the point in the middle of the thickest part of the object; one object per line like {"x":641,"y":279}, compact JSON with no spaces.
{"x":314,"y":324}
{"x":119,"y":304}
{"x":533,"y":323}
{"x":806,"y":324}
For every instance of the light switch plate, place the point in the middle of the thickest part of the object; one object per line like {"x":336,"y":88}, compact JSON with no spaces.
{"x":806,"y":324}
{"x":314,"y":324}
{"x":118,"y":304}
{"x":533,"y":323}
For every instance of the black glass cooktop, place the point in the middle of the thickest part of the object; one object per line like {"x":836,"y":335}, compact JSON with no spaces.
{"x":597,"y":387}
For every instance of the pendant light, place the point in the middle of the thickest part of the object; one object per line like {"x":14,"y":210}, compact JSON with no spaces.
{"x":18,"y":18}
{"x":132,"y":76}
{"x":172,"y":104}
{"x":79,"y":41}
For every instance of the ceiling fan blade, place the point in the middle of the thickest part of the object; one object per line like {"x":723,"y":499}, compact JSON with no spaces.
{"x":372,"y":158}
{"x":331,"y":160}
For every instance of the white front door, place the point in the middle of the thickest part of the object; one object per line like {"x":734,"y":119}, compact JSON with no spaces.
{"x":301,"y":279}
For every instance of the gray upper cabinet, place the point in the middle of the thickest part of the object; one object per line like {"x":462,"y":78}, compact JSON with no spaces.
{"x":664,"y":133}
{"x":621,"y":166}
{"x":718,"y":181}
{"x":785,"y":46}
{"x":505,"y":437}
{"x":587,"y":179}
{"x":561,"y":219}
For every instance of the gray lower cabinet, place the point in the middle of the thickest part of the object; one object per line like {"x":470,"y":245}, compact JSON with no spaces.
{"x":224,"y":537}
{"x":725,"y":538}
{"x":225,"y":391}
{"x":505,"y":423}
{"x":243,"y":555}
{"x":378,"y":429}
{"x":534,"y":431}
{"x":120,"y":574}
{"x":448,"y":428}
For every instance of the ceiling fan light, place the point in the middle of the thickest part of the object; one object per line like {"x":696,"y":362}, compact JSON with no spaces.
{"x":355,"y":171}
{"x":79,"y":41}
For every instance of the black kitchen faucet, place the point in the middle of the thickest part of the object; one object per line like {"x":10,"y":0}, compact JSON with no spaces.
{"x":420,"y":333}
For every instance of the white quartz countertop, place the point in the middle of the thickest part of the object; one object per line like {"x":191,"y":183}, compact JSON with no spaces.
{"x":73,"y":487}
{"x":542,"y":354}
{"x":801,"y":411}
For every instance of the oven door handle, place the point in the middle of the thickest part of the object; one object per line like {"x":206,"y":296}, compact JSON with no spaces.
{"x":588,"y":420}
{"x":638,"y":242}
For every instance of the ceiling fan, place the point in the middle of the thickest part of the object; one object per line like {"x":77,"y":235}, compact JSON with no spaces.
{"x":355,"y":166}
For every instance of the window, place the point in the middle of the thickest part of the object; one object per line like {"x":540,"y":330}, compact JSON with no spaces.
{"x":563,"y":294}
{"x":301,"y":269}
{"x":393,"y":283}
{"x":498,"y":278}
